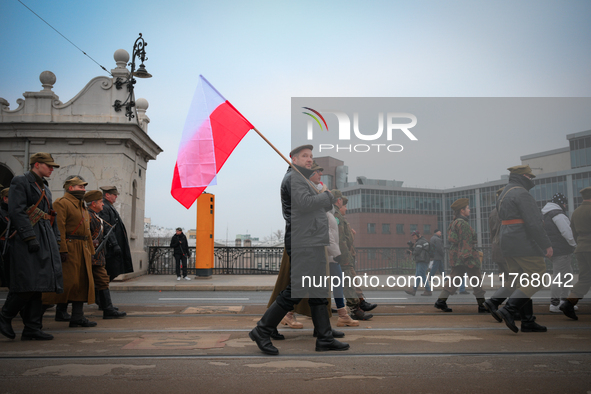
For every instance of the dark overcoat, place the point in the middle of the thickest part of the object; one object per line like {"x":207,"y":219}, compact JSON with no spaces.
{"x":116,"y":264}
{"x":40,"y":271}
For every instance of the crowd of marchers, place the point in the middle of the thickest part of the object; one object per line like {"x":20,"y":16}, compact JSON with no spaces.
{"x":56,"y":253}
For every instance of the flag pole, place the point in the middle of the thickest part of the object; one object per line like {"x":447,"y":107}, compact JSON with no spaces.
{"x":285,"y":158}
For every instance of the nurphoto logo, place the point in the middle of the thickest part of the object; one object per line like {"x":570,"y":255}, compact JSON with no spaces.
{"x":393,"y":126}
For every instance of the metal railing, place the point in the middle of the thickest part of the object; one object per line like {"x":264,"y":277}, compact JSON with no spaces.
{"x":267,"y":260}
{"x":227,"y":260}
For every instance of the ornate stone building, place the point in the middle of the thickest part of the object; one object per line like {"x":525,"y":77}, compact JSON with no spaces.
{"x":87,"y":137}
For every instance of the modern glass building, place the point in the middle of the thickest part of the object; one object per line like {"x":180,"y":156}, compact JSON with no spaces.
{"x":384,"y":213}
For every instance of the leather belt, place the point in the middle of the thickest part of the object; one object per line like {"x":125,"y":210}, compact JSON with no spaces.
{"x":77,"y":237}
{"x":512,"y":221}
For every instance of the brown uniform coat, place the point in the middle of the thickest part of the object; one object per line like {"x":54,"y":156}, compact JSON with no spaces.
{"x":73,"y":219}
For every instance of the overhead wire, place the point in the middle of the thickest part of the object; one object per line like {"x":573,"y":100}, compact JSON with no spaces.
{"x":66,"y":38}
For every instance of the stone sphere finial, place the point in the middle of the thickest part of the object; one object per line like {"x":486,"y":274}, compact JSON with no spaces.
{"x":47,"y":79}
{"x":141,"y":104}
{"x":121,"y":57}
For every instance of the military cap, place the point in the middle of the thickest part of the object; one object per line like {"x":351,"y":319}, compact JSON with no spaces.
{"x":521,"y":170}
{"x":345,"y":200}
{"x":42,"y":157}
{"x":110,"y":189}
{"x":586,"y":193}
{"x":74,"y":182}
{"x":4,"y":192}
{"x":500,"y":191}
{"x":299,"y":148}
{"x":316,"y":167}
{"x":460,"y":203}
{"x":93,"y":195}
{"x":179,"y":229}
{"x":336,"y":193}
{"x":416,"y":232}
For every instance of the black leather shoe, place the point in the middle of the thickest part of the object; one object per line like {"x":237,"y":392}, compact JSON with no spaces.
{"x":492,"y":308}
{"x":441,"y":304}
{"x":482,"y":309}
{"x":277,"y":336}
{"x":37,"y":335}
{"x":334,"y":345}
{"x":6,"y":327}
{"x":358,"y":314}
{"x":62,"y":316}
{"x":507,"y":316}
{"x":366,"y":306}
{"x":113,"y":314}
{"x":335,"y":334}
{"x":263,"y":343}
{"x":532,"y":327}
{"x":568,"y":309}
{"x":84,"y":322}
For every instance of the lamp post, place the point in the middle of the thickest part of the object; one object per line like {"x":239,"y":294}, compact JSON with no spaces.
{"x":139,"y":50}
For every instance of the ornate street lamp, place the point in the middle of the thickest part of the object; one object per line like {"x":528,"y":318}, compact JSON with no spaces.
{"x":139,"y":50}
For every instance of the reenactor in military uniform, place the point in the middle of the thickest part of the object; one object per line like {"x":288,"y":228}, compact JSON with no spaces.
{"x":99,"y":229}
{"x":524,"y":244}
{"x":463,"y":257}
{"x":35,"y":265}
{"x":581,"y":226}
{"x":354,"y":296}
{"x":118,"y":256}
{"x":76,"y":250}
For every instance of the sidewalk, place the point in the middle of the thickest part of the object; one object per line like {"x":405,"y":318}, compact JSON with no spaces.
{"x":249,"y":283}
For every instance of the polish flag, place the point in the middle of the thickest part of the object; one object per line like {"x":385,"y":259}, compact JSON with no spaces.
{"x":212,"y":130}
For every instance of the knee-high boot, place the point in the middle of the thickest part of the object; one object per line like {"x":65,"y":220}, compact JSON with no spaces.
{"x":78,"y":319}
{"x":325,"y":340}
{"x":61,"y":312}
{"x":109,"y":311}
{"x":12,"y":306}
{"x":528,"y":320}
{"x":492,"y":304}
{"x":261,"y":334}
{"x":513,"y":305}
{"x":32,"y":315}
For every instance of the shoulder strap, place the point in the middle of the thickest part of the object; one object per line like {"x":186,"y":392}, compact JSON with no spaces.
{"x":502,"y":198}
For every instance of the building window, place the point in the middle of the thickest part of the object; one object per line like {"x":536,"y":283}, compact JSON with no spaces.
{"x":400,"y":229}
{"x":426,"y":229}
{"x":371,"y":228}
{"x":414,"y":227}
{"x":385,"y":228}
{"x":327,"y":180}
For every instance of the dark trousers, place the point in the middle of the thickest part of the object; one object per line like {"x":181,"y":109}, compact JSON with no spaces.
{"x":459,"y":271}
{"x":287,"y":302}
{"x":178,"y":258}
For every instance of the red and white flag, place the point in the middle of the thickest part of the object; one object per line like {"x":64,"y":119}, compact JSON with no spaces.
{"x":212,"y":130}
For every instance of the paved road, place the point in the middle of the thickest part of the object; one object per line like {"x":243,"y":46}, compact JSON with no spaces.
{"x":156,"y":298}
{"x":181,"y":345}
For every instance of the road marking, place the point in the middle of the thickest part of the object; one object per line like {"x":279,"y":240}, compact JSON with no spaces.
{"x":203,"y":299}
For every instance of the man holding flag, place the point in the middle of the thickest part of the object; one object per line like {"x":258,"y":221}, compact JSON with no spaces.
{"x":306,"y":235}
{"x":212,"y":130}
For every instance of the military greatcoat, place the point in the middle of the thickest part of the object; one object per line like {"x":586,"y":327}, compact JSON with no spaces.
{"x":73,"y":221}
